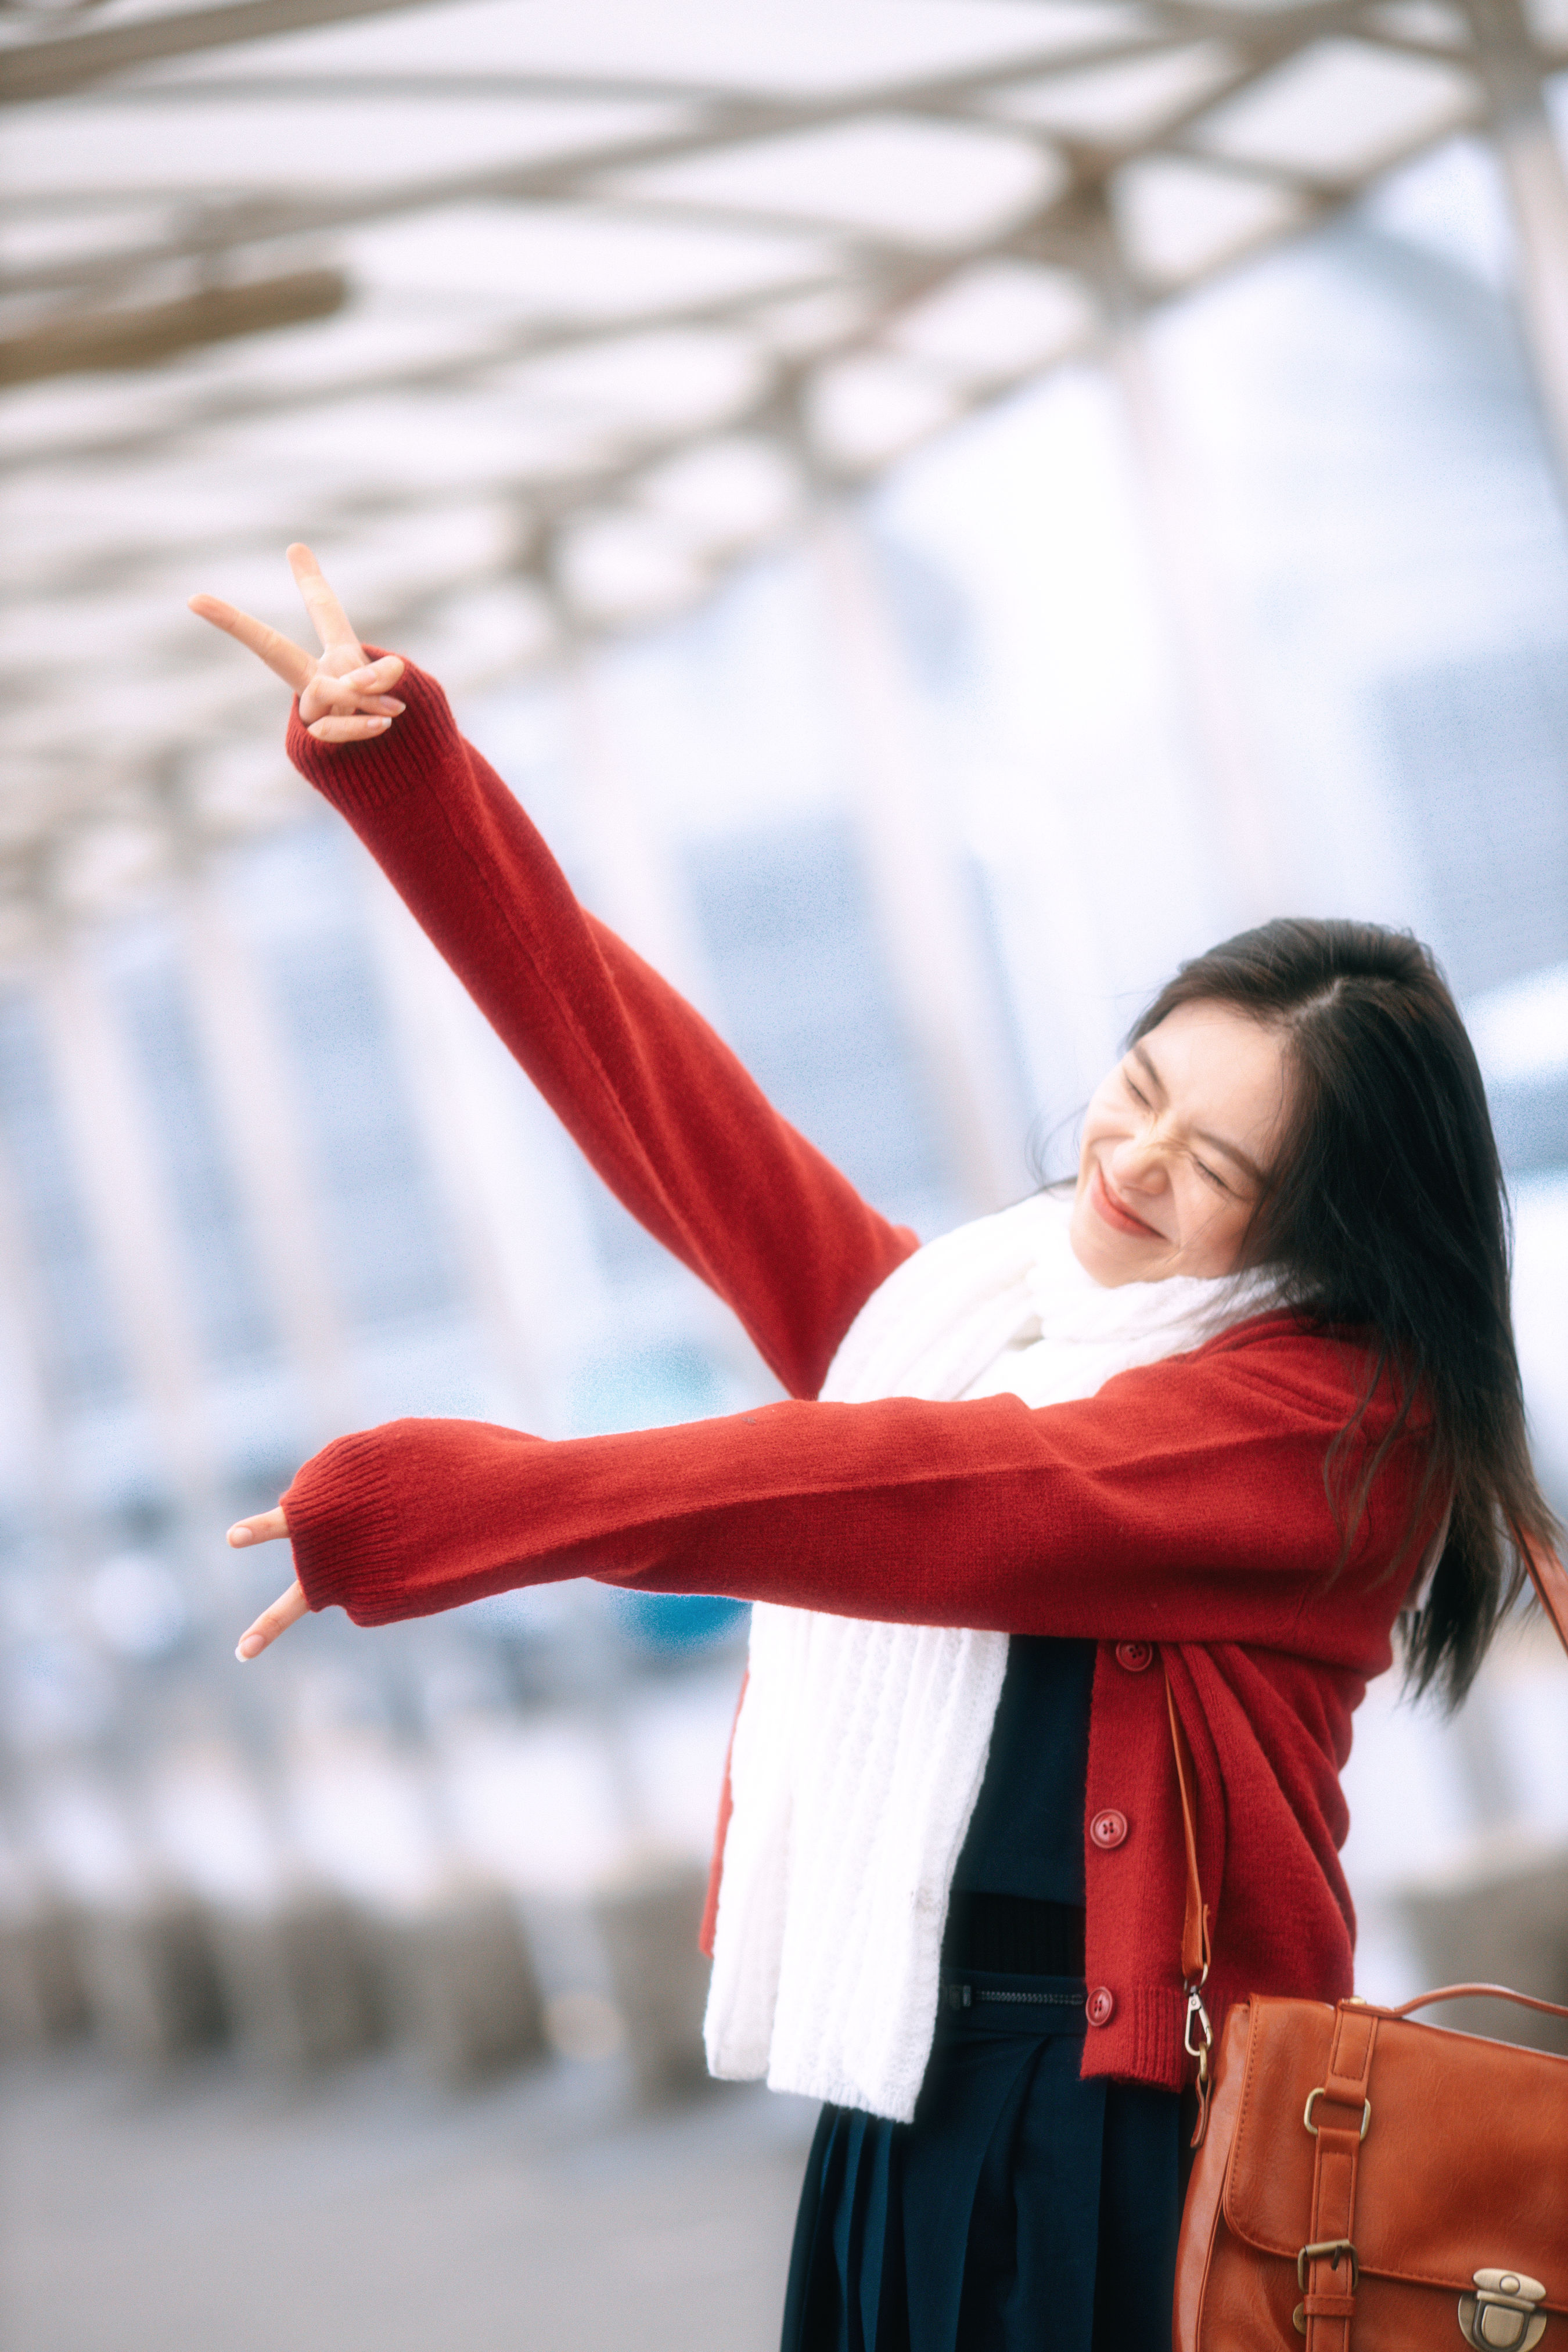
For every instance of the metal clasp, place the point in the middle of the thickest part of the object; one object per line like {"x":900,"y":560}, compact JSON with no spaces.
{"x":1333,"y":2250}
{"x":1321,"y":2093}
{"x":1198,"y":2016}
{"x":1500,"y":2316}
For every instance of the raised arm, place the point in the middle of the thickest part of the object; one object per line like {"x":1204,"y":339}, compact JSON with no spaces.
{"x":659,"y":1104}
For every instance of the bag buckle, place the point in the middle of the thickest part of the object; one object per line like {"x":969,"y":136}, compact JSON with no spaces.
{"x":1500,"y":2316}
{"x":1321,"y":2093}
{"x":1333,"y":2250}
{"x":1330,"y":2250}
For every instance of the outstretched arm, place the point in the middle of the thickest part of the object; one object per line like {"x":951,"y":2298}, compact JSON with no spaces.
{"x":1184,"y":1502}
{"x":657,"y":1103}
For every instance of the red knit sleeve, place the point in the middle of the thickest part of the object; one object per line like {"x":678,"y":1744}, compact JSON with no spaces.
{"x":1186,"y":1501}
{"x":659,"y":1104}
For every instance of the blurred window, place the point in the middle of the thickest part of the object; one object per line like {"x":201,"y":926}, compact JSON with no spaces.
{"x":227,"y":1292}
{"x":389,"y":1248}
{"x":1478,"y":745}
{"x":785,"y":921}
{"x":78,"y":1332}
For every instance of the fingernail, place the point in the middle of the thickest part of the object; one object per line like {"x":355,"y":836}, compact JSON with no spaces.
{"x":397,"y":706}
{"x":248,"y":1646}
{"x":381,"y":722}
{"x":239,"y":1534}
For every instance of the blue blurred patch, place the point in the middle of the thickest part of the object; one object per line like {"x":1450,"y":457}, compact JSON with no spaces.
{"x":646,"y":1388}
{"x":667,"y":1623}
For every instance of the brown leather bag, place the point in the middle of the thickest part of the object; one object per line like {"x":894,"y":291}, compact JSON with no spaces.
{"x":1364,"y":2182}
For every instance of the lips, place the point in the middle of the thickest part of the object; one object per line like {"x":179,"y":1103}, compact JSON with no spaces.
{"x":1114,"y":1212}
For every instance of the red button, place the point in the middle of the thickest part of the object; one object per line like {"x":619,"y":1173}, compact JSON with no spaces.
{"x":1134,"y":1656}
{"x":1101,"y":2006}
{"x":1107,"y":1829}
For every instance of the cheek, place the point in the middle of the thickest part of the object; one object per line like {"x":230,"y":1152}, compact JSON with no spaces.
{"x":1216,"y":1232}
{"x":1211,"y":1215}
{"x":1105,"y":1117}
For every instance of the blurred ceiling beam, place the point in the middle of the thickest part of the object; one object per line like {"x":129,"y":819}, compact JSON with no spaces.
{"x":735,"y":120}
{"x":459,"y":370}
{"x":145,"y":338}
{"x":53,"y":68}
{"x":1175,"y":139}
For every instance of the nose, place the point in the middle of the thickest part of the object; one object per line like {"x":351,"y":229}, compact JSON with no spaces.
{"x":1138,"y":1162}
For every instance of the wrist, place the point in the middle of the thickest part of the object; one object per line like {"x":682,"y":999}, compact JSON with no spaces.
{"x":384,"y":767}
{"x":343,"y":1524}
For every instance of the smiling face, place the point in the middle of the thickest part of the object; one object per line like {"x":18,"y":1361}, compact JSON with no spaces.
{"x":1176,"y":1145}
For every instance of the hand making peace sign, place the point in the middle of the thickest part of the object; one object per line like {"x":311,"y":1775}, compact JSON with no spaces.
{"x":343,"y":699}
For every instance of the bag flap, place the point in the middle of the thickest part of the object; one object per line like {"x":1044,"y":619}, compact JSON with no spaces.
{"x":1465,"y":2163}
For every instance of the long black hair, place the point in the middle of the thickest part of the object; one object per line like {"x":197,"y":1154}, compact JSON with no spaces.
{"x":1385,"y":1212}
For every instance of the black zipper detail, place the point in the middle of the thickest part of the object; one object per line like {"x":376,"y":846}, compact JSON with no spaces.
{"x":965,"y":1996}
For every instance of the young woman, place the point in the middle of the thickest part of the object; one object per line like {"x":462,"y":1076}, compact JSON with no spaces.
{"x":1207,"y":1427}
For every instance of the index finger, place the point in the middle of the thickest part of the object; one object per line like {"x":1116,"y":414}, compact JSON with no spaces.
{"x":332,"y":624}
{"x":291,"y":663}
{"x":286,"y":1610}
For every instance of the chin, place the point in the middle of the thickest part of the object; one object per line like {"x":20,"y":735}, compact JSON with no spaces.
{"x":1110,"y":1257}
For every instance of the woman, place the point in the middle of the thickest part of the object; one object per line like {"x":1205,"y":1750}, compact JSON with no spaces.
{"x":1209,"y":1427}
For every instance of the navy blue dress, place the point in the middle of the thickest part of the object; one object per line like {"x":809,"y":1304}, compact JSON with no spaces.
{"x":1023,"y":2207}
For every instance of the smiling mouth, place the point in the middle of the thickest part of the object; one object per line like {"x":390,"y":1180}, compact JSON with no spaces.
{"x":1114,"y":1212}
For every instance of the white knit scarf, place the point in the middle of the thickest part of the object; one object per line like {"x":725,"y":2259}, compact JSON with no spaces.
{"x":860,"y":1747}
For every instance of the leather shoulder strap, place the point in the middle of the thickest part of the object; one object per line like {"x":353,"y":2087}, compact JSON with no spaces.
{"x":1196,"y":1919}
{"x":1550,"y":1581}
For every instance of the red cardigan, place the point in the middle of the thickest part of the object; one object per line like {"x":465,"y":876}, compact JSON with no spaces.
{"x":1180,"y":1516}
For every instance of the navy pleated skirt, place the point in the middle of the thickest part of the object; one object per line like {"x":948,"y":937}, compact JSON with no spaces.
{"x":1023,"y":2209}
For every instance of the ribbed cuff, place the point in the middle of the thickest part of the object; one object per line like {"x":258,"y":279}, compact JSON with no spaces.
{"x":343,"y":1528}
{"x":367,"y":776}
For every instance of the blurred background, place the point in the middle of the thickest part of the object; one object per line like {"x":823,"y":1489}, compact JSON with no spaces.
{"x":939,"y":508}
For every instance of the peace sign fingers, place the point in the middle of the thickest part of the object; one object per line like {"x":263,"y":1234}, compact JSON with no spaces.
{"x":343,"y":699}
{"x":332,"y":715}
{"x":292,"y":663}
{"x":332,"y":624}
